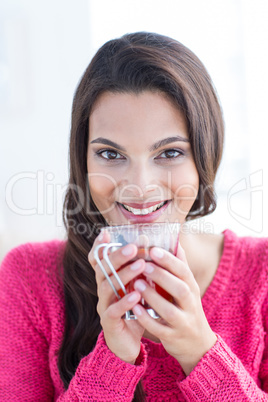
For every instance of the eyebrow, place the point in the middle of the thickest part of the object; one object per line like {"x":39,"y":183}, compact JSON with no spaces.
{"x":158,"y":144}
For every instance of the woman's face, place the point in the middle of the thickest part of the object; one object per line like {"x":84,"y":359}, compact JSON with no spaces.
{"x":139,"y":159}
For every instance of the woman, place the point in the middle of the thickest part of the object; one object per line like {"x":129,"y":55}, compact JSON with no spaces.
{"x":146,"y":143}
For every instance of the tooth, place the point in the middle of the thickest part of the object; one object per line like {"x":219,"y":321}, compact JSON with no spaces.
{"x":144,"y":211}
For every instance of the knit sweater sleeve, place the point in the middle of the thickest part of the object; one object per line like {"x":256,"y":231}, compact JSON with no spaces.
{"x":101,"y":376}
{"x":219,"y":375}
{"x":26,"y":372}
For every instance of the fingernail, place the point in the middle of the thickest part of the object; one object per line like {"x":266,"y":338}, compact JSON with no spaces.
{"x":136,"y":265}
{"x":127,"y":250}
{"x":137,"y":310}
{"x":140,"y":285}
{"x":149,"y":268}
{"x":157,"y":252}
{"x":133,"y":297}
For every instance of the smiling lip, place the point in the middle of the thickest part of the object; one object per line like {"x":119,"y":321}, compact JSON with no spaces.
{"x":151,"y":217}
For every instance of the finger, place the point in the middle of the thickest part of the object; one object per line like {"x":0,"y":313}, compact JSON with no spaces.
{"x":103,"y":237}
{"x":118,"y":258}
{"x":172,"y":264}
{"x":128,"y":251}
{"x":117,"y":310}
{"x":153,"y":326}
{"x":178,"y":289}
{"x":164,"y":307}
{"x":127,"y":276}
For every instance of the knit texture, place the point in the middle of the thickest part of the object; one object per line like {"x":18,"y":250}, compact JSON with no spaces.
{"x":32,"y":324}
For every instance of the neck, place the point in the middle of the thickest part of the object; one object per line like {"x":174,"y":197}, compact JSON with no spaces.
{"x":188,"y":243}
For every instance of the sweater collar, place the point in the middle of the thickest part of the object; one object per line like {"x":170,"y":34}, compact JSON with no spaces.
{"x":220,"y":281}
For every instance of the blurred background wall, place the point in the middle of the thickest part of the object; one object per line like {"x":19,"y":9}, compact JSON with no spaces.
{"x":44,"y":49}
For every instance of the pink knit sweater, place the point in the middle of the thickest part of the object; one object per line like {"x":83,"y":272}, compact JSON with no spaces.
{"x":32,"y":322}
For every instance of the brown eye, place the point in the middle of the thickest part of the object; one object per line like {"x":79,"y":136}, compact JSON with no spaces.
{"x":109,"y":154}
{"x":170,"y":154}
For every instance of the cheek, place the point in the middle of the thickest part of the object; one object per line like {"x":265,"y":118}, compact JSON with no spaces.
{"x":101,"y":185}
{"x":184,"y":199}
{"x":185,"y":188}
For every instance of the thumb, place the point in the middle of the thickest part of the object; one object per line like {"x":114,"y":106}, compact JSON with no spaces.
{"x":103,"y":237}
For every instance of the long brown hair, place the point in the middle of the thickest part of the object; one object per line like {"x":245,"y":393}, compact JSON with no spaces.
{"x":133,"y":63}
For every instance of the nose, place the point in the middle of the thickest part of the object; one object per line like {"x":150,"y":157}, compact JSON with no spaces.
{"x":140,"y":182}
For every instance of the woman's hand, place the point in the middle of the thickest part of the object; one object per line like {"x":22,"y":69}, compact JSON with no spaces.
{"x":183,"y":328}
{"x":122,"y":337}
